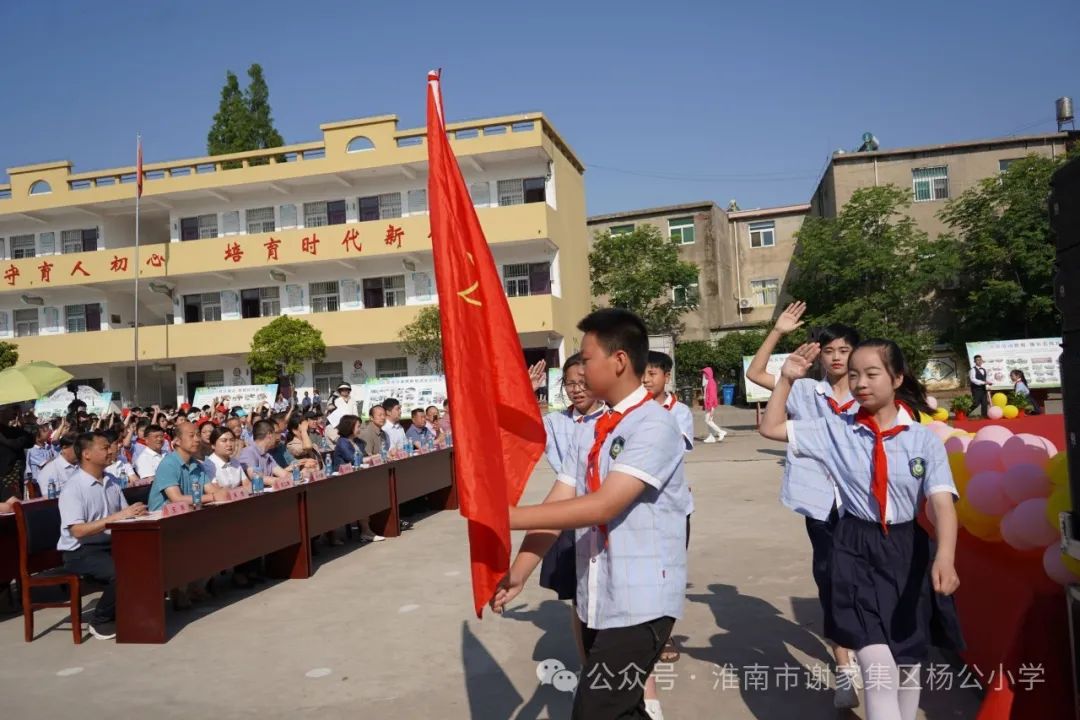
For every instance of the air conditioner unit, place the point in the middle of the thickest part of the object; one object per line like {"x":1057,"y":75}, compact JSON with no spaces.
{"x":745,"y":303}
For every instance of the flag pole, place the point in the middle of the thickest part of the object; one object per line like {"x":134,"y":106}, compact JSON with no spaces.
{"x":138,"y":196}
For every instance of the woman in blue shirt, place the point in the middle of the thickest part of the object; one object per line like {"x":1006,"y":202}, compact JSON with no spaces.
{"x":890,"y":586}
{"x":349,"y":449}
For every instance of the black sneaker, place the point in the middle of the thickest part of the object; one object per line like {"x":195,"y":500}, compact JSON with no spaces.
{"x":103,"y":630}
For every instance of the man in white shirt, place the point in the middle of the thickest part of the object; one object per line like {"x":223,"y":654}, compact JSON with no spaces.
{"x":149,"y":459}
{"x":980,"y":385}
{"x":60,"y":469}
{"x":393,"y":428}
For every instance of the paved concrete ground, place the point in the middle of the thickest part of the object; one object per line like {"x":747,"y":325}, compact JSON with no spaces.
{"x":386,"y":630}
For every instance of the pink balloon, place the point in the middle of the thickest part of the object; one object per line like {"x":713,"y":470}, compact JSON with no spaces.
{"x":1028,"y":520}
{"x":1024,"y":448}
{"x":986,"y":493}
{"x":931,"y":402}
{"x":995,"y":433}
{"x":1051,"y":448}
{"x":958,"y":443}
{"x":1025,"y":481}
{"x":982,"y":455}
{"x":1012,"y":533}
{"x":995,"y":413}
{"x":1055,"y":567}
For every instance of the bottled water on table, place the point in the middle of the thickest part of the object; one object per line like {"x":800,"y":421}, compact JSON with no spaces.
{"x":196,"y":493}
{"x":52,"y":490}
{"x":257,"y":483}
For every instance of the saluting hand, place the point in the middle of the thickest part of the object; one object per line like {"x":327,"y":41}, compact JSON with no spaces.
{"x":789,"y":320}
{"x":536,"y":375}
{"x":798,"y":363}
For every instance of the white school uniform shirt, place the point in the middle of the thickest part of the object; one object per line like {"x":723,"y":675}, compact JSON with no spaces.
{"x":683,"y":416}
{"x":918,"y":465}
{"x":639,"y":573}
{"x":806,"y":487}
{"x":227,"y":475}
{"x":121,"y":470}
{"x":147,"y":463}
{"x":561,"y":427}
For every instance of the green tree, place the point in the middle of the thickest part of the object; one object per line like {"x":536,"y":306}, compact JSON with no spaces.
{"x":281,"y":348}
{"x":423,"y":338}
{"x":9,"y":354}
{"x":1005,"y":247}
{"x":638,"y":271}
{"x":243,"y":120}
{"x":231,"y":131}
{"x":873,"y":268}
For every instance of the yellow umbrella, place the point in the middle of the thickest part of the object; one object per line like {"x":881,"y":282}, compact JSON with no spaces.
{"x":30,"y":381}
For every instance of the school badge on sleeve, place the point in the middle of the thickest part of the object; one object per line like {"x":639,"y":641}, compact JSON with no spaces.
{"x":617,"y":446}
{"x":917,"y":467}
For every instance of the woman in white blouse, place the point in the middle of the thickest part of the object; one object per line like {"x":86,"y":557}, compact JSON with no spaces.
{"x":225,"y":472}
{"x":221,"y":469}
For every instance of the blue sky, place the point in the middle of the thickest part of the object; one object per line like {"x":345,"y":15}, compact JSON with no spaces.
{"x":665,"y":102}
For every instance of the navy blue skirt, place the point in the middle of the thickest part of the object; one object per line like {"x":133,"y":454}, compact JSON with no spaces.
{"x":558,"y":571}
{"x":880,"y":592}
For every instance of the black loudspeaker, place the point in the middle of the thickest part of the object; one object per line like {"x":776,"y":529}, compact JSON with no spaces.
{"x":1064,"y":204}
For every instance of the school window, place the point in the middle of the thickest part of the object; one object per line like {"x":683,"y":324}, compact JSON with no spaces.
{"x":288,"y":215}
{"x":685,"y":295}
{"x":681,"y":230}
{"x":380,"y":207}
{"x":762,"y":234}
{"x":318,"y":214}
{"x":621,"y":229}
{"x":521,"y":279}
{"x":930,"y":183}
{"x":22,"y":246}
{"x":521,"y":190}
{"x":260,"y":302}
{"x":260,"y":220}
{"x":480,"y":194}
{"x":202,"y":307}
{"x":417,"y":201}
{"x":384,"y":291}
{"x":324,"y":296}
{"x":326,"y":376}
{"x":1003,"y":165}
{"x":765,"y":291}
{"x":73,"y":241}
{"x":391,"y":367}
{"x":82,"y":318}
{"x":204,"y":379}
{"x":26,"y":322}
{"x":198,"y":227}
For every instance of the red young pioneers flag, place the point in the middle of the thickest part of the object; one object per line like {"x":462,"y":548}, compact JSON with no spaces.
{"x":498,"y":433}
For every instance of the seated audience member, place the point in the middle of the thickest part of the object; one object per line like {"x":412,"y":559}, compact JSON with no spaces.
{"x":350,"y":448}
{"x":420,"y":433}
{"x":433,"y":420}
{"x":90,"y":502}
{"x":374,"y":437}
{"x":62,"y":467}
{"x":299,"y":442}
{"x":256,"y":457}
{"x":42,"y":452}
{"x":147,"y":461}
{"x":393,"y":429}
{"x":222,"y":468}
{"x":206,"y":427}
{"x":118,"y":468}
{"x":178,"y":472}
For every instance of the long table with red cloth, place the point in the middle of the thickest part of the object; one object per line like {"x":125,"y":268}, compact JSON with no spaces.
{"x":153,"y":556}
{"x":1013,"y":614}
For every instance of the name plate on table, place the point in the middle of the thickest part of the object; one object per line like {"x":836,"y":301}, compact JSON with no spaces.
{"x":345,"y":468}
{"x":238,"y":493}
{"x":283,"y":483}
{"x":376,"y":460}
{"x":176,"y":508}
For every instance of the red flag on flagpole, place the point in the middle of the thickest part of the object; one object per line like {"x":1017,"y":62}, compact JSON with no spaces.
{"x":498,"y":433}
{"x":138,"y":167}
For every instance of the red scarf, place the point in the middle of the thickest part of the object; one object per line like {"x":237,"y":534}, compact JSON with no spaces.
{"x":837,"y":407}
{"x":670,"y":403}
{"x":879,"y":483}
{"x":605,"y":425}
